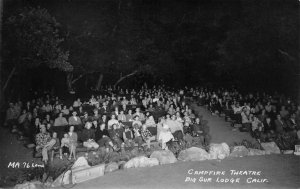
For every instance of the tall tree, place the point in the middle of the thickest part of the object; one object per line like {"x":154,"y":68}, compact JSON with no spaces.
{"x":33,"y":38}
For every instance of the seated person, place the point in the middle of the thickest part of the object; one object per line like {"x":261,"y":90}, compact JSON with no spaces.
{"x":284,"y":113}
{"x":178,"y":117}
{"x":77,"y":103}
{"x":150,"y":122}
{"x":176,"y":128}
{"x":165,"y":136}
{"x":129,"y":116}
{"x":246,"y":121}
{"x":146,"y":135}
{"x":102,"y":138}
{"x":160,"y":123}
{"x":88,"y":136}
{"x":137,"y":135}
{"x":151,"y":108}
{"x":112,"y":121}
{"x":96,"y":115}
{"x":53,"y":144}
{"x":60,"y":120}
{"x":73,"y":142}
{"x":74,"y":119}
{"x":171,"y":110}
{"x":280,"y":125}
{"x":201,"y":130}
{"x":191,"y":114}
{"x":65,"y":111}
{"x":121,"y":116}
{"x":257,"y":127}
{"x":47,"y":120}
{"x":85,"y":118}
{"x":65,"y":146}
{"x":115,"y":137}
{"x":128,"y":137}
{"x":42,"y":138}
{"x":136,"y":121}
{"x":187,"y":120}
{"x":292,"y":125}
{"x":140,"y":114}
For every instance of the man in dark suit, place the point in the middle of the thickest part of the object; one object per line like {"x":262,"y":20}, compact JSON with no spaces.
{"x":104,"y":109}
{"x":201,"y":130}
{"x":280,"y":125}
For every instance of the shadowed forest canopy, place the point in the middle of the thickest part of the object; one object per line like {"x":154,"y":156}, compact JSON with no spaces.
{"x":248,"y":43}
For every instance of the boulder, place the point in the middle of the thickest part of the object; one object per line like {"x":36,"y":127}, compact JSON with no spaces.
{"x":141,"y":161}
{"x":29,"y":185}
{"x":193,"y":154}
{"x":63,"y":179}
{"x":164,"y":156}
{"x":239,"y":151}
{"x":80,"y":163}
{"x":256,"y":152}
{"x":270,"y":147}
{"x":111,"y":167}
{"x":219,"y":151}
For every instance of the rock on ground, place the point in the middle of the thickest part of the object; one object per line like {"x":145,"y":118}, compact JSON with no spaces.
{"x":239,"y":151}
{"x":80,"y":163}
{"x":29,"y":185}
{"x":193,"y":154}
{"x":164,"y":156}
{"x":141,"y":161}
{"x":219,"y":151}
{"x":111,"y":167}
{"x":271,"y":147}
{"x":63,"y":179}
{"x":257,"y":152}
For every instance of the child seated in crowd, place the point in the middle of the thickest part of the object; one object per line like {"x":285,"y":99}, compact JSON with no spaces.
{"x":65,"y":146}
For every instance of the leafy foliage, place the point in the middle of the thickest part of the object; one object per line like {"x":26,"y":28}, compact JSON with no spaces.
{"x":34,"y":38}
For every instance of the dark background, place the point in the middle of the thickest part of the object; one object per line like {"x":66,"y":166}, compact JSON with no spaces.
{"x":252,"y":44}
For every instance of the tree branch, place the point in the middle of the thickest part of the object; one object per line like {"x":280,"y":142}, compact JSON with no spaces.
{"x":9,"y":78}
{"x":286,"y":54}
{"x":76,"y":79}
{"x":126,"y":76}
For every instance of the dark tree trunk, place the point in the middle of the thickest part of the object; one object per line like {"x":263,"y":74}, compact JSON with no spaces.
{"x":69,"y":81}
{"x":1,"y":91}
{"x":98,"y":85}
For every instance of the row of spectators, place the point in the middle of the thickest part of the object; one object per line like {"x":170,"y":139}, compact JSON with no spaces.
{"x":114,"y":120}
{"x":266,"y":117}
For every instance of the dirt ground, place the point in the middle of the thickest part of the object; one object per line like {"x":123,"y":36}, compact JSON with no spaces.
{"x":279,"y":171}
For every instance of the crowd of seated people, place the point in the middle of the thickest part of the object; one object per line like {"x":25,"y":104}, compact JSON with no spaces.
{"x":265,"y":117}
{"x":113,"y":120}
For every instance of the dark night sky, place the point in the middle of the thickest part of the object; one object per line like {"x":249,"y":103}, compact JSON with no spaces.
{"x":208,"y":40}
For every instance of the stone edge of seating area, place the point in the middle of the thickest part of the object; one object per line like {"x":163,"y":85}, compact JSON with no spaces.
{"x":162,"y":157}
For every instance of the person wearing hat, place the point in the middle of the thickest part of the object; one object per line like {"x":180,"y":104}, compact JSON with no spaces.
{"x":165,"y":136}
{"x":74,"y":119}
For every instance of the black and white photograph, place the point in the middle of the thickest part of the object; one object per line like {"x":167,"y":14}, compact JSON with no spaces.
{"x":154,"y":94}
